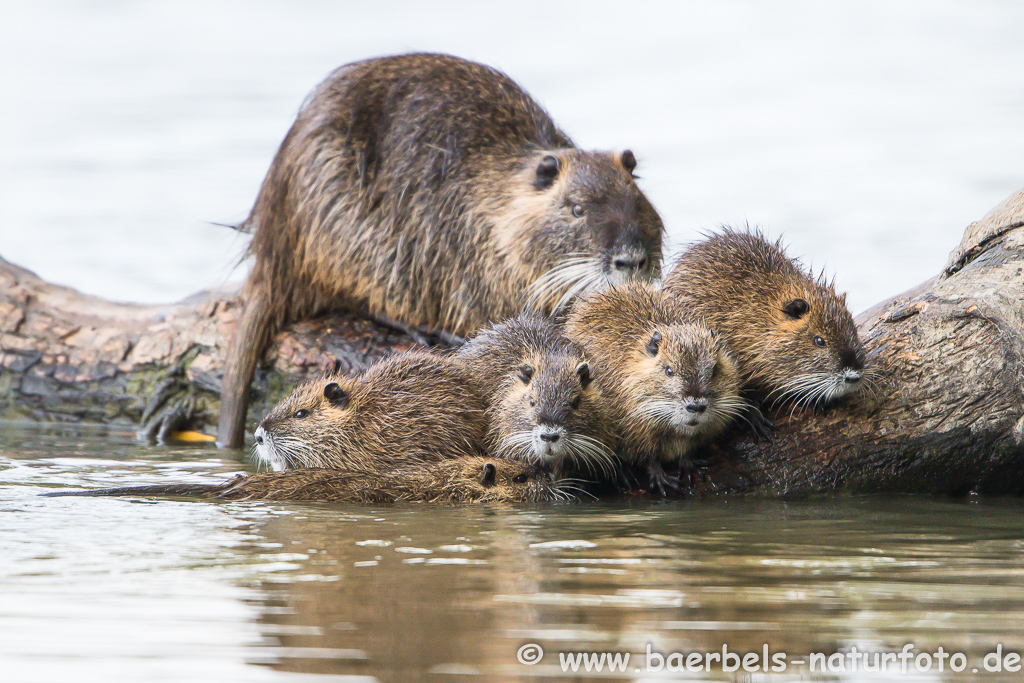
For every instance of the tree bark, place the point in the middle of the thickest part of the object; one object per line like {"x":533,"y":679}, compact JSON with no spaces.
{"x":945,"y":413}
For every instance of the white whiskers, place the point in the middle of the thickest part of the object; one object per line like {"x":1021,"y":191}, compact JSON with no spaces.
{"x":576,"y":274}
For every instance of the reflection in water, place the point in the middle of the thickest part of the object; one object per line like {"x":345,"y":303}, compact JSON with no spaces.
{"x":402,"y":592}
{"x":137,"y":589}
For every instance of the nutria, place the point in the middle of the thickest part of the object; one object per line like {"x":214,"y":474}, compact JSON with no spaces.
{"x":791,"y":334}
{"x":462,"y":480}
{"x":542,"y":405}
{"x":433,"y":192}
{"x":409,"y":408}
{"x":670,"y":379}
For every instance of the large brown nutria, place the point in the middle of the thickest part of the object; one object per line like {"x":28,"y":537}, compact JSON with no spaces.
{"x":461,"y":480}
{"x":433,"y":192}
{"x":671,"y":381}
{"x":410,"y":408}
{"x":792,"y":335}
{"x":542,"y":405}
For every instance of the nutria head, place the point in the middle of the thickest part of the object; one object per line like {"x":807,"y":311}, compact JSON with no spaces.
{"x":550,"y":412}
{"x":500,"y":480}
{"x":792,"y":335}
{"x":578,"y":221}
{"x":811,"y":352}
{"x":314,"y":419}
{"x":681,"y":379}
{"x":543,"y":405}
{"x":410,"y":408}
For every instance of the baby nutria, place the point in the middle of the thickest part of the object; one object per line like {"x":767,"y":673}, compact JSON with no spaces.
{"x":792,"y":336}
{"x":462,"y":480}
{"x":542,"y":405}
{"x":670,"y":381}
{"x":410,"y":408}
{"x":433,"y":192}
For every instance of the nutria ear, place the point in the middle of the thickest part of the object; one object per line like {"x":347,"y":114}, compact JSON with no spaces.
{"x":336,"y":395}
{"x":525,"y":372}
{"x":652,"y":346}
{"x":628,"y":161}
{"x":487,"y":479}
{"x":796,"y":308}
{"x":547,"y":172}
{"x":583,"y":372}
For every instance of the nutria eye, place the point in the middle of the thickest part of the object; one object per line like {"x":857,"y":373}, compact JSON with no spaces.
{"x":714,"y":370}
{"x":818,"y":341}
{"x":669,"y":372}
{"x":532,"y":402}
{"x":520,"y":479}
{"x":575,"y":403}
{"x":301,"y":413}
{"x":577,"y":210}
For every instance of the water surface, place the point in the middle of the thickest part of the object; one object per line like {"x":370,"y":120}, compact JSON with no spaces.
{"x":99,"y":589}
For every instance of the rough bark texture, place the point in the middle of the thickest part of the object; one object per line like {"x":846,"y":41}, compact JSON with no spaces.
{"x":946,"y":414}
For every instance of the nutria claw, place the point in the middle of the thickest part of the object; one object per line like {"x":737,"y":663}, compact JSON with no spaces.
{"x":760,"y":425}
{"x":661,"y":482}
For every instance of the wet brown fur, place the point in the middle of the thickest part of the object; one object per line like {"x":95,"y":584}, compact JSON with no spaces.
{"x":559,"y":385}
{"x":411,"y":408}
{"x":464,"y":480}
{"x":740,"y":283}
{"x":408,"y":187}
{"x":615,"y":328}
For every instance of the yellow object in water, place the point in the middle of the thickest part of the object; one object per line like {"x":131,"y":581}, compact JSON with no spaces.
{"x":192,"y":437}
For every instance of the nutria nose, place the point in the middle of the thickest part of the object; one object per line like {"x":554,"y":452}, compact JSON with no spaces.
{"x":630,"y":263}
{"x":696,"y":407}
{"x":550,"y":437}
{"x":852,"y":377}
{"x":259,"y":435}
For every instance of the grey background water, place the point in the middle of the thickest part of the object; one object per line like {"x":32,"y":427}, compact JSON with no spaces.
{"x":867,"y":134}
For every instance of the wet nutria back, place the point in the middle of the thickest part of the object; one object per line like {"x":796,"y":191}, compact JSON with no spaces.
{"x":791,"y":334}
{"x":542,"y":405}
{"x":671,"y":381}
{"x":435,"y":192}
{"x":408,"y":409}
{"x":461,"y":480}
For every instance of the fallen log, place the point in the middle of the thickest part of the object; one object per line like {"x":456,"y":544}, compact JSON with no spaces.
{"x":945,"y":413}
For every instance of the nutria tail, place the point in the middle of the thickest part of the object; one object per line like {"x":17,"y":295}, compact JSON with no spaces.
{"x":253,"y":335}
{"x":191,"y":490}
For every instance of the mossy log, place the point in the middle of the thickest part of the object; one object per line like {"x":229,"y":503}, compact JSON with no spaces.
{"x":945,"y":413}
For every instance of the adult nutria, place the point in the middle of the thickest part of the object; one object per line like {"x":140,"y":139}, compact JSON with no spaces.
{"x":410,"y":408}
{"x":435,"y":193}
{"x":791,"y":334}
{"x":542,"y":405}
{"x":670,"y":380}
{"x":462,"y":480}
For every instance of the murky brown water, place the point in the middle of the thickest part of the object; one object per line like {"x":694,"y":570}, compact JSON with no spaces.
{"x":142,"y":589}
